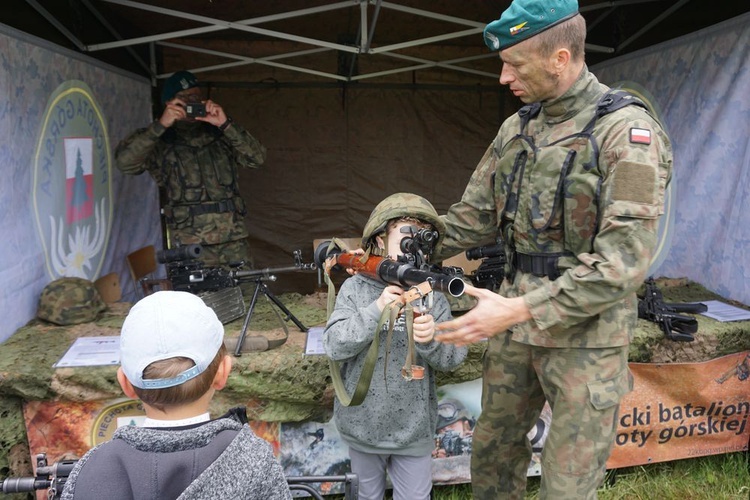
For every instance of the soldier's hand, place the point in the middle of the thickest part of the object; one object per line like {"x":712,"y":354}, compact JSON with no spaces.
{"x":214,"y":114}
{"x":173,"y":111}
{"x":389,"y":294}
{"x":424,"y":328}
{"x":493,"y":314}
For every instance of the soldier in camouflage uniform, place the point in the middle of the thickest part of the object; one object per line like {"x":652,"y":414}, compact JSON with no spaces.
{"x":195,"y":161}
{"x":575,"y":184}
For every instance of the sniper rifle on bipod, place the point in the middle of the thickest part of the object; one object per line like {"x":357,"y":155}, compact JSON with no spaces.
{"x":677,"y":327}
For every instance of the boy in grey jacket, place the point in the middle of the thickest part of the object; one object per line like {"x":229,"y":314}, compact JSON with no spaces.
{"x":173,"y":359}
{"x":393,"y":430}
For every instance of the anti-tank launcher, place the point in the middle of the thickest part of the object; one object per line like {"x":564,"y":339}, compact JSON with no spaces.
{"x":405,"y":272}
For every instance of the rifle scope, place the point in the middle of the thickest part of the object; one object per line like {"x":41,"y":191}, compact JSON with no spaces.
{"x":486,"y":252}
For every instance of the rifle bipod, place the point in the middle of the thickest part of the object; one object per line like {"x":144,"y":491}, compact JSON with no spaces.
{"x":259,"y":342}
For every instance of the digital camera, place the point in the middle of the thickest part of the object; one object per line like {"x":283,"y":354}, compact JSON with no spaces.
{"x":193,"y":109}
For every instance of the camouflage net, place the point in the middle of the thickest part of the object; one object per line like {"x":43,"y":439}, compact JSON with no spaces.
{"x":282,"y":384}
{"x":15,"y":458}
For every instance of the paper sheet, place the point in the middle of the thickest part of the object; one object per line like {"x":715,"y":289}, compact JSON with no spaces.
{"x":91,"y":351}
{"x":723,"y":312}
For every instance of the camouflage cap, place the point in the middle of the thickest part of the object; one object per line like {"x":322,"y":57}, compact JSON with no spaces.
{"x":526,"y":18}
{"x":181,"y":80}
{"x":400,"y":205}
{"x":69,"y":301}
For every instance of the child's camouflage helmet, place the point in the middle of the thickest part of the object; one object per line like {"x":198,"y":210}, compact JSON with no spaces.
{"x":69,"y":301}
{"x":401,"y":205}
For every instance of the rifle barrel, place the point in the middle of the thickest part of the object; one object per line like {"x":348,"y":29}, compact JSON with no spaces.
{"x":268,"y":272}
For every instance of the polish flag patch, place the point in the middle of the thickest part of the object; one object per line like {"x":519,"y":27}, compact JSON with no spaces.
{"x":640,"y":135}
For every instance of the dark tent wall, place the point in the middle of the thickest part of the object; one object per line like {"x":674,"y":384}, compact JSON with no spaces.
{"x":38,"y":83}
{"x":701,"y":82}
{"x":333,"y":154}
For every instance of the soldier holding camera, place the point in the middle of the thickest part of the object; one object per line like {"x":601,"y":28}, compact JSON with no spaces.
{"x":193,"y":151}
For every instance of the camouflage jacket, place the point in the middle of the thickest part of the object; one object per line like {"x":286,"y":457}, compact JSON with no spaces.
{"x":196,"y":165}
{"x":594,"y":200}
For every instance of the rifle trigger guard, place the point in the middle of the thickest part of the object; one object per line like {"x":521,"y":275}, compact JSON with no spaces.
{"x":422,"y":292}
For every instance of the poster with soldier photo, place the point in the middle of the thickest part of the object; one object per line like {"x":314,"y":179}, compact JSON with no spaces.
{"x":316,"y":449}
{"x":458,"y":410}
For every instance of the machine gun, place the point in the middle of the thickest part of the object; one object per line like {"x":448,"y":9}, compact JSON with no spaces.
{"x":491,"y":271}
{"x":53,"y":477}
{"x":675,"y":326}
{"x":48,"y":477}
{"x":219,"y":288}
{"x":187,"y":272}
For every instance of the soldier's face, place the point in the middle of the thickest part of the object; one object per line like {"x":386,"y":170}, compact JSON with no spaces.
{"x":191,"y":95}
{"x":527,"y":73}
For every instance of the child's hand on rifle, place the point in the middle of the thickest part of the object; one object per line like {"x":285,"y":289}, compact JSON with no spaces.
{"x":390,"y":294}
{"x":424,"y":328}
{"x":352,"y":271}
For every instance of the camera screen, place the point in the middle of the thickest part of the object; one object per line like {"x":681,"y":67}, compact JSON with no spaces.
{"x":194,"y":109}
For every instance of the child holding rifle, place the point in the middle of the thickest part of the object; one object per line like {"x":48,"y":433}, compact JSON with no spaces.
{"x":173,"y":359}
{"x":392,"y":430}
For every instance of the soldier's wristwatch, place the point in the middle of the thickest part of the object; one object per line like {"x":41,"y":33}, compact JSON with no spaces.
{"x":226,"y":124}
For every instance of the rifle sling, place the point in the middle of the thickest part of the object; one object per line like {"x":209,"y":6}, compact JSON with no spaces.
{"x":365,"y":377}
{"x":390,"y":313}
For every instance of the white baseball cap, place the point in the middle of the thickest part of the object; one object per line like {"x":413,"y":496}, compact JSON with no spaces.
{"x":165,"y":325}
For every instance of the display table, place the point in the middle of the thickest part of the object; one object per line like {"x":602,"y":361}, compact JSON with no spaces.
{"x":279,"y":385}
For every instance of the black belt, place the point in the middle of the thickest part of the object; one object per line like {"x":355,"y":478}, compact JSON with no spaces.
{"x":539,"y":264}
{"x":204,"y":208}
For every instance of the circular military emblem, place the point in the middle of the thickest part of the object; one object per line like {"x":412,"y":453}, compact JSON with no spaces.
{"x":116,"y":415}
{"x":72,"y":188}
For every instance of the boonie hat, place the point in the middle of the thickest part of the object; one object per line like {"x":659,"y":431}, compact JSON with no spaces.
{"x":182,"y":80}
{"x":526,"y":18}
{"x":168,"y":324}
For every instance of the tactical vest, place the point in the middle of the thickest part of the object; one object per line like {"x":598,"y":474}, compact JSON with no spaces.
{"x":551,"y":189}
{"x":202,"y":175}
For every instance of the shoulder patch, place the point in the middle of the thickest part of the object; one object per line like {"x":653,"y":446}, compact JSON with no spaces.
{"x":640,"y":135}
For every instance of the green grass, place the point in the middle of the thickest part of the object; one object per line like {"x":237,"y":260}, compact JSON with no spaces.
{"x":718,"y":477}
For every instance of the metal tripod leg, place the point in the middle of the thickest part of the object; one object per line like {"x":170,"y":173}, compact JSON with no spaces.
{"x":289,"y":315}
{"x":261,"y":287}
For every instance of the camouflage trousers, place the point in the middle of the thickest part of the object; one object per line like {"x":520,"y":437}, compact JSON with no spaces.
{"x":583,"y":388}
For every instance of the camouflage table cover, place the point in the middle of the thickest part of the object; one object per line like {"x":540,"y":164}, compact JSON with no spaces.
{"x":281,"y":384}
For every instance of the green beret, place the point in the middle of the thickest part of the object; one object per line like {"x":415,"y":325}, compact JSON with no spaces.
{"x":182,"y":80}
{"x":526,"y":18}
